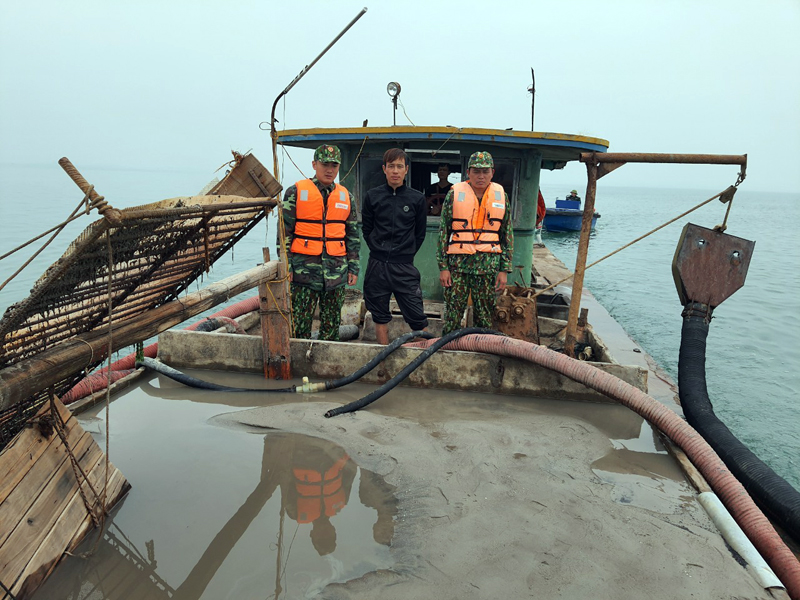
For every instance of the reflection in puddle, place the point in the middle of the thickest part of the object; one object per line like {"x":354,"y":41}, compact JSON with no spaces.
{"x":643,"y":479}
{"x":191,"y":528}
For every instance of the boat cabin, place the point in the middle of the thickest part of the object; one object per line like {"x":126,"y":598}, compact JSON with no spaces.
{"x":519,"y":157}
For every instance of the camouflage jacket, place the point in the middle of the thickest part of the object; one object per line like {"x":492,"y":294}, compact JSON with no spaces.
{"x":480,"y":263}
{"x":324,"y":272}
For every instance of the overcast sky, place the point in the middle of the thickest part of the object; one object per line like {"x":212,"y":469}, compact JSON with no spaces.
{"x":179,"y":84}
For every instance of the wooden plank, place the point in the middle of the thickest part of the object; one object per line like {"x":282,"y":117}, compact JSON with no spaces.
{"x":37,"y":522}
{"x":68,"y":531}
{"x":25,"y":449}
{"x":26,"y":378}
{"x":38,"y":478}
{"x":275,"y":310}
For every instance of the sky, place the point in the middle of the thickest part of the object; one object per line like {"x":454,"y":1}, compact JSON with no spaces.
{"x":174,"y":84}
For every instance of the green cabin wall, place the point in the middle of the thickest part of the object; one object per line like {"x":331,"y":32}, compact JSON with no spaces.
{"x":523,"y":205}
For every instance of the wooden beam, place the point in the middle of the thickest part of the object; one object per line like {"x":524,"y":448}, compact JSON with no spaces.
{"x":580,"y":261}
{"x":275,"y":313}
{"x":29,"y":377}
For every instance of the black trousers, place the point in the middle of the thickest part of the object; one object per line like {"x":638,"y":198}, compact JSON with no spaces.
{"x":383,"y":279}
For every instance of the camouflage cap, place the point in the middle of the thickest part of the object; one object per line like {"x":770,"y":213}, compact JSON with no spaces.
{"x":481,"y":160}
{"x":574,"y":192}
{"x":327,"y":153}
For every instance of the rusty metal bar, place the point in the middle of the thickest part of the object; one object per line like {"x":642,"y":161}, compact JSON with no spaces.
{"x":594,"y":168}
{"x":649,"y":157}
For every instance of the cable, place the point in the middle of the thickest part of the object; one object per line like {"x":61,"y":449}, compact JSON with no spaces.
{"x":331,"y":385}
{"x":199,"y":383}
{"x":305,"y":388}
{"x":409,"y":368}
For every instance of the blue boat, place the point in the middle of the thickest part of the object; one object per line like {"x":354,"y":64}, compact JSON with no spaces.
{"x":566,"y":216}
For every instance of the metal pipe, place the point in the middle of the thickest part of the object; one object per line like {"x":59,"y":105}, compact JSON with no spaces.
{"x":294,"y":81}
{"x":649,"y":157}
{"x":737,"y":540}
{"x":532,"y":90}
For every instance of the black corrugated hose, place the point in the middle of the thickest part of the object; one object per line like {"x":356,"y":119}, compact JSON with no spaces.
{"x":768,"y":488}
{"x":185,"y":379}
{"x":407,"y":370}
{"x":329,"y":385}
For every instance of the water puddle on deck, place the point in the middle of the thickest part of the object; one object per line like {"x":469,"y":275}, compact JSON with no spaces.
{"x":219,"y":513}
{"x":643,"y":474}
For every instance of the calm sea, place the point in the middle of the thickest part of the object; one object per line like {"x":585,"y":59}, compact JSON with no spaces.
{"x":753,"y":362}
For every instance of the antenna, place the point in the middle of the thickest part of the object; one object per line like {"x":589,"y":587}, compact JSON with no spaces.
{"x":532,"y":90}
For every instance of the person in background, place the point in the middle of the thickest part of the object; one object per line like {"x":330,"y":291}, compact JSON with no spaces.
{"x":436,"y":192}
{"x":476,"y":244}
{"x":393,"y":219}
{"x":322,"y":243}
{"x":541,"y":212}
{"x":573,"y":195}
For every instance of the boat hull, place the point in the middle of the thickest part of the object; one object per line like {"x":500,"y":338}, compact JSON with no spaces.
{"x":562,"y":220}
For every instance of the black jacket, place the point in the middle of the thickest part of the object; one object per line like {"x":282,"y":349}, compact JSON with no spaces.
{"x":393,"y":223}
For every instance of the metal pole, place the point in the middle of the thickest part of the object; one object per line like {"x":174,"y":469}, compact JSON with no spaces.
{"x":649,"y":157}
{"x":532,"y":90}
{"x":300,"y":75}
{"x":580,"y":263}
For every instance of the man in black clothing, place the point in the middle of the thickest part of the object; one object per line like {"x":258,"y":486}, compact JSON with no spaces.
{"x":393,"y":219}
{"x":436,"y":192}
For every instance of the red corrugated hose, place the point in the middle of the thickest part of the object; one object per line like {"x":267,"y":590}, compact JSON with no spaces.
{"x":733,"y":495}
{"x":126,"y":365}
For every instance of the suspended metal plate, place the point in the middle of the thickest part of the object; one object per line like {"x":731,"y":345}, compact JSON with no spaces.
{"x":709,"y":266}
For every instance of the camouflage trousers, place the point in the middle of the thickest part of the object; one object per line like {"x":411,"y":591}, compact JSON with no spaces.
{"x":483,"y":299}
{"x":304,"y":301}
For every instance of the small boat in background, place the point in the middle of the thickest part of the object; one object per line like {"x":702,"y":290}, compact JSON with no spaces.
{"x":567,"y":215}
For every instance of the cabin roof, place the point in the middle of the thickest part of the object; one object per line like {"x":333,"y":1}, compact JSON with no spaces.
{"x":553,"y":146}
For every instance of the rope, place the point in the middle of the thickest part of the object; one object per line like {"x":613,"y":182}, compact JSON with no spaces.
{"x":104,"y":497}
{"x":283,"y":148}
{"x":599,"y":260}
{"x":7,"y":591}
{"x":58,"y":228}
{"x":275,"y":302}
{"x":355,"y":162}
{"x":80,"y":474}
{"x":404,"y":111}
{"x":447,"y":140}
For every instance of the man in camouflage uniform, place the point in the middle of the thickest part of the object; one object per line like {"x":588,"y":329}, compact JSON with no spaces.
{"x":320,"y":277}
{"x":481,"y":273}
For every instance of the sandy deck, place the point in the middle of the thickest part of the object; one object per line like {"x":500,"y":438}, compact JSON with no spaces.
{"x":508,"y":498}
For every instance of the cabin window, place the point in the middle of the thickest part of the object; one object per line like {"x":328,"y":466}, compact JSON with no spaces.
{"x":425,"y":178}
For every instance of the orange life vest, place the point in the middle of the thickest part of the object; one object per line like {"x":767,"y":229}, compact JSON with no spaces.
{"x":320,"y":490}
{"x":312,"y":227}
{"x":476,"y":226}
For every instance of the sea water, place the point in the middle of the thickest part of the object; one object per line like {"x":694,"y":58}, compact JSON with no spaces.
{"x":753,"y":357}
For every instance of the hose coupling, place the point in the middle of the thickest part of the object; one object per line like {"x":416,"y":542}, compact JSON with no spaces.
{"x":310,"y":388}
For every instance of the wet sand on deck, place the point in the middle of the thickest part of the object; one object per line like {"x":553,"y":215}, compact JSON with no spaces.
{"x":508,"y":498}
{"x":493,"y":497}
